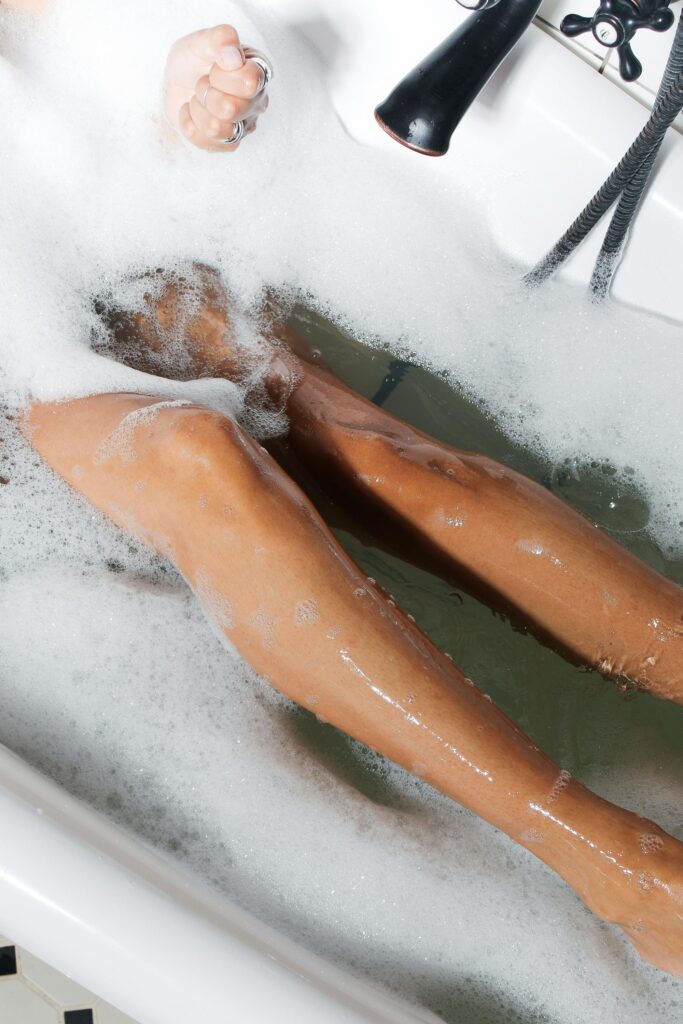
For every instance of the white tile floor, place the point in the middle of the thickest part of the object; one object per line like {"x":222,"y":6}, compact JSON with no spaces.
{"x":37,"y":994}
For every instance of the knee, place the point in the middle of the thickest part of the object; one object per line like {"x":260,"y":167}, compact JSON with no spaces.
{"x":210,"y":449}
{"x":217,"y":458}
{"x":198,"y":438}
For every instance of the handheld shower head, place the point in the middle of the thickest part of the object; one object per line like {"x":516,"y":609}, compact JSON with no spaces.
{"x":424,"y":109}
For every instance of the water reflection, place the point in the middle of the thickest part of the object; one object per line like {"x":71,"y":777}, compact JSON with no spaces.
{"x":629,"y":747}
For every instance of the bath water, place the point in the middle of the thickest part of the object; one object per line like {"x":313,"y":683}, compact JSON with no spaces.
{"x":561,"y":706}
{"x":111,"y":680}
{"x":162,"y":730}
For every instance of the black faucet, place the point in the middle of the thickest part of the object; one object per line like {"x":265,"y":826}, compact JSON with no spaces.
{"x":424,"y":109}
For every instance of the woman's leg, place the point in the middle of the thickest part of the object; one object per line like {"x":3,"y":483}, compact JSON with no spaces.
{"x":274,"y":581}
{"x":470,"y":517}
{"x":476,"y":520}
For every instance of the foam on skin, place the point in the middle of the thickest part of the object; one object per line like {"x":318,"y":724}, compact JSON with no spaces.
{"x":115,"y":683}
{"x":303,"y":208}
{"x":109,"y":670}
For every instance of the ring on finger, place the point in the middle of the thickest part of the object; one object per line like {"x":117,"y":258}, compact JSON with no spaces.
{"x":264,"y":67}
{"x":206,"y":93}
{"x":237,"y":134}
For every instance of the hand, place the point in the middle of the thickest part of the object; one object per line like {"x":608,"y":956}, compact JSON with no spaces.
{"x":210,"y":86}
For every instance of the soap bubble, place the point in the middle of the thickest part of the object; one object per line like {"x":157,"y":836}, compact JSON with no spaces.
{"x":112,"y":680}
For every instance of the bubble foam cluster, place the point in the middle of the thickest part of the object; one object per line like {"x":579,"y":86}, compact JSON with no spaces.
{"x":111,"y":679}
{"x":95,"y":189}
{"x":114,"y":683}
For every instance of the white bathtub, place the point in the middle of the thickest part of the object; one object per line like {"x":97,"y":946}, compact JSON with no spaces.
{"x":100,"y":906}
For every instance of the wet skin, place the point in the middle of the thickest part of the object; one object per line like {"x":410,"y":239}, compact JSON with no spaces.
{"x":194,"y":486}
{"x":469,"y":518}
{"x":476,"y":520}
{"x":191,"y":484}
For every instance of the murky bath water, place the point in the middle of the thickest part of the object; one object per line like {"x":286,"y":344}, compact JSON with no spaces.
{"x":580,"y":719}
{"x":113,"y":683}
{"x":111,"y":680}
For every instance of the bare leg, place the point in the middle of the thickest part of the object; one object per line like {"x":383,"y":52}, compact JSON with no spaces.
{"x":472,"y":518}
{"x":476,"y":519}
{"x":273,"y":579}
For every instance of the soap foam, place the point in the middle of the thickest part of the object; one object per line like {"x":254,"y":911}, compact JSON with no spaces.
{"x":91,"y":194}
{"x":110,"y":670}
{"x":110,"y":677}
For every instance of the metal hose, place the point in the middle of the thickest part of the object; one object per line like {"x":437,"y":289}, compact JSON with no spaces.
{"x":615,"y":238}
{"x":663,"y":114}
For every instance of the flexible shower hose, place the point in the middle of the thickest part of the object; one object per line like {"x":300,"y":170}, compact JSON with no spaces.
{"x":664,"y":112}
{"x":615,"y":238}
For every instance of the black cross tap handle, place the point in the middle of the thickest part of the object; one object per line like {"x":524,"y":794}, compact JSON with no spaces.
{"x":576,"y":24}
{"x":616,"y":22}
{"x":630,"y":67}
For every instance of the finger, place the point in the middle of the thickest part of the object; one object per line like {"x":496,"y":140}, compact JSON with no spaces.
{"x":245,"y":83}
{"x":193,"y":55}
{"x":220,"y":43}
{"x":192,"y":133}
{"x":209,"y":126}
{"x":228,"y":108}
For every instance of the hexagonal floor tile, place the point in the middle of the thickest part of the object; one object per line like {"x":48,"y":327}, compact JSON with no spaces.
{"x":58,"y":987}
{"x":21,"y":1005}
{"x":33,"y":992}
{"x":106,"y":1014}
{"x":8,"y":960}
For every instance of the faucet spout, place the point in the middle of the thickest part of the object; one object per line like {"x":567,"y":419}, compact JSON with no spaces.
{"x":424,"y":109}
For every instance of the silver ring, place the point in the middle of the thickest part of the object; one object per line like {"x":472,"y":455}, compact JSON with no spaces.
{"x":237,"y":133}
{"x":266,"y":70}
{"x":206,"y":93}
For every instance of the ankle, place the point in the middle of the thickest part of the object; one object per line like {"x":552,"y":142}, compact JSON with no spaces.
{"x":611,"y":857}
